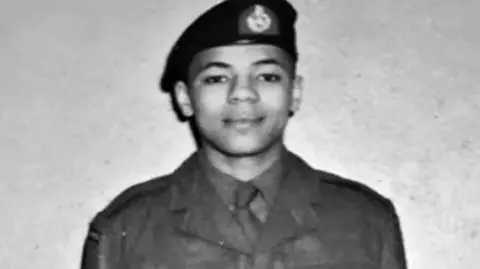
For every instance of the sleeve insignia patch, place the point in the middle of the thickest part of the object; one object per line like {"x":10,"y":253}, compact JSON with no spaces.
{"x":93,"y":235}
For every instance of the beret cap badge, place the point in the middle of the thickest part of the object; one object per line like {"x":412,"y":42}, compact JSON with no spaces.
{"x":259,"y":21}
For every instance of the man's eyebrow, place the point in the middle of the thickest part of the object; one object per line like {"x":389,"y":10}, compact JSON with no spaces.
{"x":223,"y":65}
{"x":214,"y":64}
{"x":269,"y":61}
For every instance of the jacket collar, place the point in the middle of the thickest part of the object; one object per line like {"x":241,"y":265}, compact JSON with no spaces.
{"x":200,"y":212}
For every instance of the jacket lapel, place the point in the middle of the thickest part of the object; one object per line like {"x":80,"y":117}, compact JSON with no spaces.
{"x":293,"y":212}
{"x":198,"y":211}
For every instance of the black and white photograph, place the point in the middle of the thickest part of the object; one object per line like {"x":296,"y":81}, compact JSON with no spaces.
{"x":239,"y":134}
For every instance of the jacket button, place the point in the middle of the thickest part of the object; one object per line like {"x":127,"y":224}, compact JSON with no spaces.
{"x":221,"y":242}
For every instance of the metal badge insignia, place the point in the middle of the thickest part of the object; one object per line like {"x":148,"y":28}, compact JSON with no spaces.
{"x":259,"y":21}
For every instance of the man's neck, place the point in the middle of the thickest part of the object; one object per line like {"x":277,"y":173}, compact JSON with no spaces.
{"x":244,"y":168}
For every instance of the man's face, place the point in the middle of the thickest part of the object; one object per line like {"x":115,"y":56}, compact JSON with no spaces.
{"x":240,"y":96}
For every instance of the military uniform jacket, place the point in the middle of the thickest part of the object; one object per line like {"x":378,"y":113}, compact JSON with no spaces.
{"x":177,"y":221}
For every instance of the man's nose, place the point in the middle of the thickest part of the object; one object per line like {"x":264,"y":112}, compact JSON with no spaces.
{"x":243,"y":90}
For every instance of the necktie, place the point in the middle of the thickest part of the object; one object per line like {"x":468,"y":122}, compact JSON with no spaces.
{"x":245,"y":194}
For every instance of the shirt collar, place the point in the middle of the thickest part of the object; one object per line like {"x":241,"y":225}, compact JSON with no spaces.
{"x":268,"y":181}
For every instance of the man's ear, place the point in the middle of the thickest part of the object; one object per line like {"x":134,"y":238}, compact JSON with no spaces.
{"x":296,"y":94}
{"x":183,"y":98}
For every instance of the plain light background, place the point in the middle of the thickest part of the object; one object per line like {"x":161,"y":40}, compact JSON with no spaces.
{"x":391,"y":99}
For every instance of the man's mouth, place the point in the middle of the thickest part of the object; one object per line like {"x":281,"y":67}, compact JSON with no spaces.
{"x":243,"y":123}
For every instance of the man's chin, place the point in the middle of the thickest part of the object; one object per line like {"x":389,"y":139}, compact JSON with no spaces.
{"x":242,"y":152}
{"x":242,"y":146}
{"x":245,"y":149}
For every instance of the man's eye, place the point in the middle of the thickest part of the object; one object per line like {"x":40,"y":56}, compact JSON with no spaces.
{"x":270,"y":77}
{"x":215,"y":79}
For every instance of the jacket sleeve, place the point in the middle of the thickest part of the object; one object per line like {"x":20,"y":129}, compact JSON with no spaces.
{"x":393,"y":252}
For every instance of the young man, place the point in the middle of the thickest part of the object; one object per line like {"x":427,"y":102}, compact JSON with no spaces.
{"x":243,"y":200}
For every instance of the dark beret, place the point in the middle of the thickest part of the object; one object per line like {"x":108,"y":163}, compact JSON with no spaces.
{"x":229,"y":22}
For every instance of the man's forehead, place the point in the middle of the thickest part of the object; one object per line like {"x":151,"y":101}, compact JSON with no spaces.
{"x":243,"y":54}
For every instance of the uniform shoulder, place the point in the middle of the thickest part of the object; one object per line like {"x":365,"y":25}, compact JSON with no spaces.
{"x":353,"y":194}
{"x":136,"y":202}
{"x":133,"y":197}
